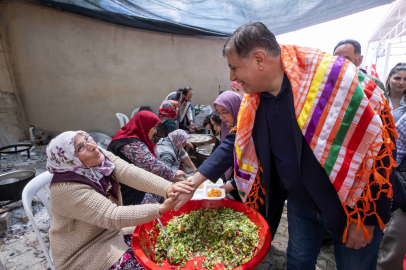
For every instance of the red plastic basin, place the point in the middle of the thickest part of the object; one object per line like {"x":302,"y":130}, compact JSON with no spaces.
{"x":144,"y":252}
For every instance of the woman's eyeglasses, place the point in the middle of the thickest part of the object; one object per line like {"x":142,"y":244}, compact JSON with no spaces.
{"x":223,"y":113}
{"x":81,"y":148}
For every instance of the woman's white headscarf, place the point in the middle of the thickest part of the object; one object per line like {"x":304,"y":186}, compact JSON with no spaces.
{"x":61,"y":157}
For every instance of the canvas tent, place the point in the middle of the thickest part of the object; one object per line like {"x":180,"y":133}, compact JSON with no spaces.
{"x":388,"y":40}
{"x":214,"y":17}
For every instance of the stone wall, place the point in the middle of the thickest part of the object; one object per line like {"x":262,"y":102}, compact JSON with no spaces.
{"x":73,"y":72}
{"x":12,"y":119}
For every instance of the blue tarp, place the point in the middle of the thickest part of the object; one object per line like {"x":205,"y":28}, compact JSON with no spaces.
{"x":214,"y":17}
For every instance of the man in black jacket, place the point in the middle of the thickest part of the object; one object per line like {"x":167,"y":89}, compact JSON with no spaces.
{"x":290,"y":168}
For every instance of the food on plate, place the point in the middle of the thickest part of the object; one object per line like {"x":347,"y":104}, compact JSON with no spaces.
{"x":214,"y":193}
{"x":223,"y":236}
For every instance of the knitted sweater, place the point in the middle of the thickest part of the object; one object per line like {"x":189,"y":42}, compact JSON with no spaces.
{"x":87,"y":228}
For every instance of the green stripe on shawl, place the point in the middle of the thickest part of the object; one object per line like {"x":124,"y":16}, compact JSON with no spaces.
{"x":361,"y":77}
{"x":344,"y":127}
{"x":242,"y":194}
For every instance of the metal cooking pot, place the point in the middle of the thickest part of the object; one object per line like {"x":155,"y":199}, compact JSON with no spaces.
{"x":12,"y":190}
{"x":199,"y":139}
{"x":203,"y":152}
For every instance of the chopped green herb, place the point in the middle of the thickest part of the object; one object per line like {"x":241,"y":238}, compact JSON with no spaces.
{"x":222,"y":236}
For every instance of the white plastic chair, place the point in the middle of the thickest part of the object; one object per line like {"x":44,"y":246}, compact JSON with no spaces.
{"x":135,"y":112}
{"x":122,"y":118}
{"x":36,"y":187}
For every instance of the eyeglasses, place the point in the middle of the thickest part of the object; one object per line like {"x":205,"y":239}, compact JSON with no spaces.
{"x":223,"y":113}
{"x":400,"y":64}
{"x":82,"y":147}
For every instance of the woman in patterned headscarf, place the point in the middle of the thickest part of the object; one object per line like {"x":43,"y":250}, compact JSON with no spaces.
{"x":90,"y":227}
{"x":170,"y":150}
{"x":167,"y":114}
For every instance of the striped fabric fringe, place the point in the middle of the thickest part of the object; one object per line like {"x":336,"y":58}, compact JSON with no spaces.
{"x":339,"y":111}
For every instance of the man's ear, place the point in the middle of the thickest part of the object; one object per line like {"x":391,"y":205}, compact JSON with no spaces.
{"x":360,"y":58}
{"x":259,"y":57}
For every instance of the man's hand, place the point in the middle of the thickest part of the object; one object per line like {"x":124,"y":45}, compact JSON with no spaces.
{"x":356,"y":237}
{"x":180,"y":187}
{"x":191,"y":130}
{"x":178,"y":175}
{"x":183,"y":198}
{"x":192,"y":125}
{"x":228,"y":187}
{"x":198,"y":128}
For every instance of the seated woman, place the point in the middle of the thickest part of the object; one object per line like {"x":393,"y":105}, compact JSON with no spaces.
{"x":170,"y":150}
{"x":167,"y":114}
{"x":133,"y":144}
{"x":88,"y":229}
{"x":212,"y":123}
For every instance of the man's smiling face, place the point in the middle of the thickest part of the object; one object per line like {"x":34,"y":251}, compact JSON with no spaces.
{"x":242,"y":71}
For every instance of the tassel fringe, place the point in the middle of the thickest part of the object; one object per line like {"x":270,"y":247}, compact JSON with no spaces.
{"x":366,"y":199}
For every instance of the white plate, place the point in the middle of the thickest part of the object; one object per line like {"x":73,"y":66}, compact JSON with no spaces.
{"x":201,"y":194}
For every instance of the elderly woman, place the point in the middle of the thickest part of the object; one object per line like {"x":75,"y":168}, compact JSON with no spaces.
{"x":88,"y":225}
{"x":170,"y":150}
{"x":133,"y":144}
{"x":167,"y":114}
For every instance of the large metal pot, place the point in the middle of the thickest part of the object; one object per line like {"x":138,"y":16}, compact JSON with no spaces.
{"x":203,"y":152}
{"x":11,"y":189}
{"x":199,"y":139}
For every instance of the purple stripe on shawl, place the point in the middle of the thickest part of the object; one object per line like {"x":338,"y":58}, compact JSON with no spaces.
{"x":237,"y":169}
{"x":324,"y":98}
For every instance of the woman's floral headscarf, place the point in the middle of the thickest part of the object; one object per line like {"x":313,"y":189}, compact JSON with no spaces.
{"x":178,"y":137}
{"x":61,"y":157}
{"x":168,"y":110}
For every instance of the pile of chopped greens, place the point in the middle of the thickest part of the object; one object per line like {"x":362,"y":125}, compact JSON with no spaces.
{"x":222,"y":235}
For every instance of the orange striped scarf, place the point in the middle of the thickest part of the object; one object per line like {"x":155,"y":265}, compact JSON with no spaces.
{"x":340,"y":112}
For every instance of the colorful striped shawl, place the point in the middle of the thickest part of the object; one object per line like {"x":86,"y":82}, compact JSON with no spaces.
{"x":339,"y":111}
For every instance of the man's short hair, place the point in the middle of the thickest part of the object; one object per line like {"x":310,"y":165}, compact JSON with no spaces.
{"x":250,"y":37}
{"x":354,"y":43}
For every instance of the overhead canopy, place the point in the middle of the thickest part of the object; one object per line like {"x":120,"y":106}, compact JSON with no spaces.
{"x":214,"y":17}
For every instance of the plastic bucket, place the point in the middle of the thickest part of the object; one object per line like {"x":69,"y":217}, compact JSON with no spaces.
{"x":142,"y":241}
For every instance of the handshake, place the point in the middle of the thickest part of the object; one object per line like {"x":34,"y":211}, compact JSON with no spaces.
{"x":181,"y":192}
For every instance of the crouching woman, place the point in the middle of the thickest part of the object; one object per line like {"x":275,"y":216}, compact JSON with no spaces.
{"x":90,"y":226}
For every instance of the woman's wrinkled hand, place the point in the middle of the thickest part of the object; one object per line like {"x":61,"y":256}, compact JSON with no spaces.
{"x":180,"y":187}
{"x":228,"y":187}
{"x":169,"y":204}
